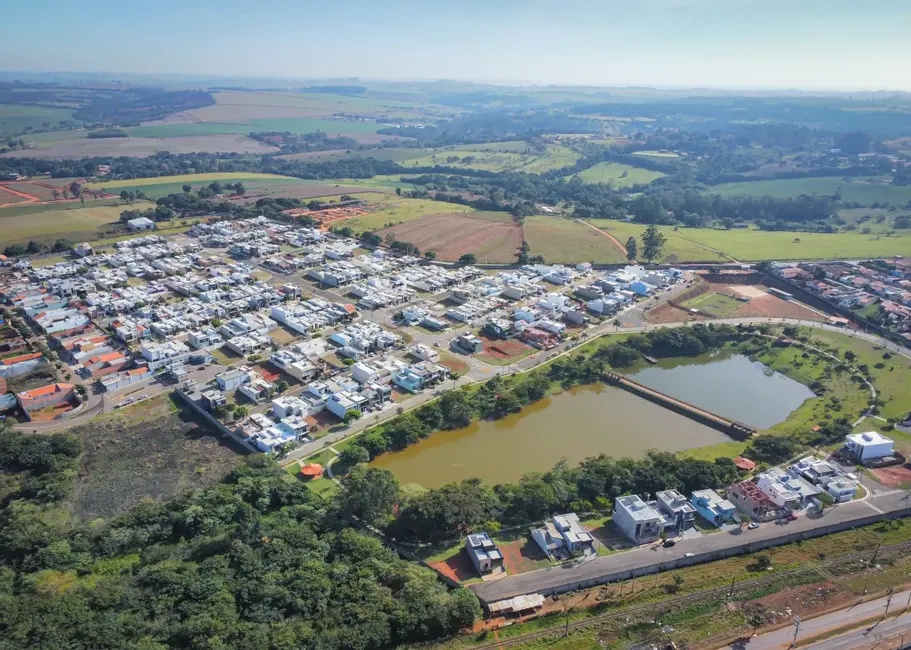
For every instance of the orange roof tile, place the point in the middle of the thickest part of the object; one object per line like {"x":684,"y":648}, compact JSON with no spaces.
{"x":20,"y":358}
{"x":50,"y":389}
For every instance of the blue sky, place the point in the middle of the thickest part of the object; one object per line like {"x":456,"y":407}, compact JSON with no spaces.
{"x":813,"y":44}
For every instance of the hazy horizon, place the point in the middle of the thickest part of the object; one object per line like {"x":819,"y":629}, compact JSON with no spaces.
{"x":813,"y":45}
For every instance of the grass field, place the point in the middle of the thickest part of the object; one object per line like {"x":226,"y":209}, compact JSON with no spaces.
{"x":859,"y":190}
{"x":618,"y":174}
{"x":388,"y":211}
{"x":563,"y":240}
{"x":15,"y":118}
{"x":192,"y":179}
{"x":656,"y":155}
{"x":298,"y":125}
{"x":747,"y":245}
{"x":75,"y":224}
{"x":716,"y":304}
{"x":496,"y":157}
{"x":452,"y":234}
{"x":676,"y":249}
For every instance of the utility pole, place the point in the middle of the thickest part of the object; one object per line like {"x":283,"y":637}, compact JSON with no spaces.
{"x":888,"y":600}
{"x":875,"y":553}
{"x":731,"y":592}
{"x":796,"y":630}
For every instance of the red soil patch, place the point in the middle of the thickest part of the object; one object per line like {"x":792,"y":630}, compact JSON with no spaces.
{"x":771,"y":306}
{"x":504,"y":349}
{"x":268,"y":375}
{"x":458,"y":567}
{"x":521,"y":556}
{"x":453,"y":235}
{"x":897,"y":476}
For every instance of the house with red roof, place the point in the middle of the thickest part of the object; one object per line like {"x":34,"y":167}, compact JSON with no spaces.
{"x":51,"y":395}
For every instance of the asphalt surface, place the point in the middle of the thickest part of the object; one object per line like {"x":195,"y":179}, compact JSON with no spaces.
{"x":881,"y":634}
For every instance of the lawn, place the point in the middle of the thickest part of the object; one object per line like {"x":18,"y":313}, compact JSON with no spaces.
{"x":859,"y":189}
{"x":618,"y":175}
{"x":51,"y":223}
{"x":564,"y":240}
{"x":497,"y":158}
{"x":730,"y":449}
{"x":716,"y":304}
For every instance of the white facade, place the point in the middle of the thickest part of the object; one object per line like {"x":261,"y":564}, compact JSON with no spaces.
{"x":869,"y":445}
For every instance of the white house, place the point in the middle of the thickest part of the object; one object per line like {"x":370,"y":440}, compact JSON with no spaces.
{"x":638,"y":520}
{"x":424,"y":353}
{"x":869,"y":445}
{"x":563,"y":532}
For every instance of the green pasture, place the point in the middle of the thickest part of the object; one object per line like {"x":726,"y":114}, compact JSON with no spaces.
{"x":565,"y":240}
{"x":859,"y":189}
{"x":298,"y":125}
{"x":15,"y":118}
{"x":618,"y":174}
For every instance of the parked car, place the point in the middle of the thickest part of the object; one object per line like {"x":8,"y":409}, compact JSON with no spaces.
{"x":753,"y":526}
{"x":791,"y":517}
{"x":689,"y":555}
{"x":669,"y":543}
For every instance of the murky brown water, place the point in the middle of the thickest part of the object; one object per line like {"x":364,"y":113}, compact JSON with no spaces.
{"x":583,"y":421}
{"x":590,"y":420}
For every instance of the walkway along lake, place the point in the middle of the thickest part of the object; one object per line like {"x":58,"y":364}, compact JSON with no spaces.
{"x":595,"y":419}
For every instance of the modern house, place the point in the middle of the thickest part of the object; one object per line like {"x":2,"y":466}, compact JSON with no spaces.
{"x":484,"y":554}
{"x":468,"y":343}
{"x":869,"y":446}
{"x":712,"y":507}
{"x":638,"y":520}
{"x":785,"y":490}
{"x":563,"y":533}
{"x":680,"y":511}
{"x":842,"y":489}
{"x":755,"y":503}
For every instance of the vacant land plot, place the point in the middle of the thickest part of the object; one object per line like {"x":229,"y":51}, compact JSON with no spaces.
{"x":498,"y":352}
{"x":676,"y":249}
{"x":150,"y":451}
{"x":78,"y":146}
{"x":9,"y":198}
{"x":390,"y":211}
{"x":716,"y":304}
{"x":453,"y":234}
{"x":618,"y":175}
{"x":231,"y":177}
{"x":862,"y":189}
{"x":299,"y":125}
{"x":497,"y":159}
{"x":657,"y":155}
{"x":55,"y":223}
{"x":564,"y":240}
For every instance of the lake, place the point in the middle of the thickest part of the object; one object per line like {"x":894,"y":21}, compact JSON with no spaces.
{"x":727,"y":384}
{"x":595,"y":419}
{"x":576,"y":423}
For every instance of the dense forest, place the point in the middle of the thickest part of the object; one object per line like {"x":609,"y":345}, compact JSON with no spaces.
{"x":257,"y":561}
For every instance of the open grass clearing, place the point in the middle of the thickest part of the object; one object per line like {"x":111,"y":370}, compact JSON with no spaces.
{"x":75,"y":224}
{"x":15,"y":118}
{"x":75,"y":145}
{"x":618,"y":175}
{"x":861,"y":189}
{"x":716,"y":304}
{"x":299,"y":125}
{"x":497,"y":158}
{"x":389,"y":211}
{"x":676,"y":249}
{"x":564,"y":240}
{"x":191,"y":179}
{"x":452,"y":234}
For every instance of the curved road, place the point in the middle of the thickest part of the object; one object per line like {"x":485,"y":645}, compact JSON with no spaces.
{"x":481,"y":371}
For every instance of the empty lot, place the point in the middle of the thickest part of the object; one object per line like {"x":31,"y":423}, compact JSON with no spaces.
{"x":452,"y":235}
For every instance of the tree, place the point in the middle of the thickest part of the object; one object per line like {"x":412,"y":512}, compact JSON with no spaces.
{"x":216,"y":187}
{"x":281,"y":386}
{"x":652,"y":242}
{"x":239,"y":189}
{"x":370,"y":495}
{"x":632,"y":249}
{"x":430,"y":255}
{"x":124,"y":196}
{"x":240,"y":412}
{"x":55,"y":194}
{"x":314,"y":205}
{"x":398,"y":191}
{"x":468,"y":258}
{"x":819,"y":273}
{"x":187,"y":189}
{"x":351,"y":415}
{"x":33,"y":247}
{"x":353,"y":455}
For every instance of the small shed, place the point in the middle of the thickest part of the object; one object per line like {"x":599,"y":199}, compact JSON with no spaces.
{"x":744,"y":463}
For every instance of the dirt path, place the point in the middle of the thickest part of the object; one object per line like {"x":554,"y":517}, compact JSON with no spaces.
{"x":28,"y":197}
{"x":616,"y":242}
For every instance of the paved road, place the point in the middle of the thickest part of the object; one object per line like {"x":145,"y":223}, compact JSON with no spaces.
{"x":868,"y":637}
{"x":705,"y":548}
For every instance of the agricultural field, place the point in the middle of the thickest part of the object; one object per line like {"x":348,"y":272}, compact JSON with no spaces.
{"x":452,"y":234}
{"x":51,"y":223}
{"x":676,"y":249}
{"x":14,"y":118}
{"x":657,"y":155}
{"x":75,"y":144}
{"x":618,"y":175}
{"x":496,"y":157}
{"x":565,"y":240}
{"x":859,"y":189}
{"x":747,"y":245}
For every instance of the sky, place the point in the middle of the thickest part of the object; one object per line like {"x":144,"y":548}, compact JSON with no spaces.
{"x":783,"y":44}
